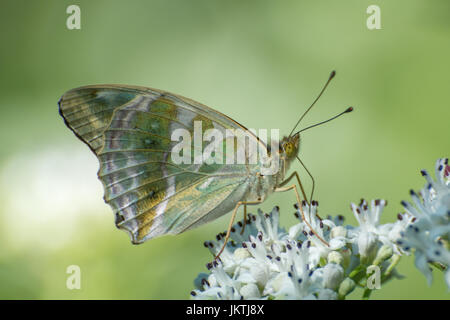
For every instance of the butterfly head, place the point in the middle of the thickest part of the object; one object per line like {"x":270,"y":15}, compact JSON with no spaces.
{"x":289,"y":146}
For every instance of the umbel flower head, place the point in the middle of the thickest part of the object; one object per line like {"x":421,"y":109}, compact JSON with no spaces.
{"x":325,"y":259}
{"x":428,"y":235}
{"x":315,"y":259}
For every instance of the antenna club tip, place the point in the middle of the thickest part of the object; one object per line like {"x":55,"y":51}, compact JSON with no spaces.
{"x":332,"y":74}
{"x":349,"y":109}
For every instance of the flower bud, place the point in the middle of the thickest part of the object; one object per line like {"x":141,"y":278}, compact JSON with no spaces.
{"x":384,"y":253}
{"x":347,"y":255}
{"x":241,"y":253}
{"x":335,"y":257}
{"x":338,"y":231}
{"x":346,"y":287}
{"x":332,"y":276}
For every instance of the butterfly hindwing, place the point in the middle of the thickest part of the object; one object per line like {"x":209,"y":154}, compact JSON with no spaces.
{"x":129,"y":129}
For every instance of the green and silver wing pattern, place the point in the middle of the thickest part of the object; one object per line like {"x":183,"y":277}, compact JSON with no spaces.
{"x":129,"y":129}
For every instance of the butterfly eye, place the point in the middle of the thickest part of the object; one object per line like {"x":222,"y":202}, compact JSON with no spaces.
{"x":288,"y":148}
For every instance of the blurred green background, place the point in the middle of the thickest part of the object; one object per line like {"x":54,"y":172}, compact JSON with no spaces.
{"x":260,"y":62}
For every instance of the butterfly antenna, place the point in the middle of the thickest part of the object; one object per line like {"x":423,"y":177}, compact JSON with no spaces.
{"x":333,"y":73}
{"x":349,"y":109}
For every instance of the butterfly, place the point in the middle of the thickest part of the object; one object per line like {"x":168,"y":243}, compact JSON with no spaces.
{"x":129,"y":129}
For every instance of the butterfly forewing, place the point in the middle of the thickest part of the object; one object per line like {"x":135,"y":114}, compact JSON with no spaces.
{"x":129,"y":129}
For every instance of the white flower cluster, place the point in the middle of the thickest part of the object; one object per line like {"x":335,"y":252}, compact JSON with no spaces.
{"x":429,"y":234}
{"x":316,"y":259}
{"x":323,"y":259}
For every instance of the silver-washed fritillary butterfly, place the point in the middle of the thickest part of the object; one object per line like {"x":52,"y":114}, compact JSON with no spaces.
{"x":130,"y":129}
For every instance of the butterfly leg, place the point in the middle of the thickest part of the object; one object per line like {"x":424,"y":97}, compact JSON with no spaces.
{"x":230,"y":225}
{"x":294,"y":187}
{"x":295,"y":173}
{"x":245,"y":219}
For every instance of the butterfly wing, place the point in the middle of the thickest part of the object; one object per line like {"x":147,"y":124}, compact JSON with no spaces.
{"x":129,"y":129}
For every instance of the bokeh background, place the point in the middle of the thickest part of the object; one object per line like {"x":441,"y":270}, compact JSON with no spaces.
{"x":260,"y":62}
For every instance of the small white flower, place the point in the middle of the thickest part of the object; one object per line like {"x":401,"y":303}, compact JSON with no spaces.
{"x":259,"y":272}
{"x":367,"y":245}
{"x":323,"y":234}
{"x":430,"y":225}
{"x":224,"y":288}
{"x":370,"y":234}
{"x":398,"y":228}
{"x":297,"y":279}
